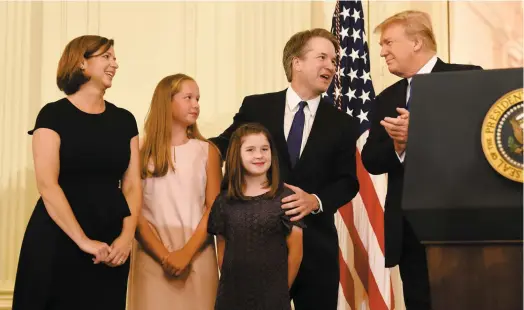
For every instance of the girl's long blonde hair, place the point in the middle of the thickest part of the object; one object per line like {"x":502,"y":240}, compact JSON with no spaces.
{"x":155,"y":153}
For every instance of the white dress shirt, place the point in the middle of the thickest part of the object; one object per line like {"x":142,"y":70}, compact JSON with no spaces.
{"x":427,"y":68}
{"x":310,"y":110}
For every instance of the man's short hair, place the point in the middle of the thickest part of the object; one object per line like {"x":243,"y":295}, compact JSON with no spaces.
{"x":295,"y":47}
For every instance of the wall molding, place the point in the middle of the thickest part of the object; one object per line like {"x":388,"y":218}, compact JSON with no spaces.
{"x":6,"y":299}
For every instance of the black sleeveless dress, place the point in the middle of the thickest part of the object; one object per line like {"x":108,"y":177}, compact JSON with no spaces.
{"x":53,"y":273}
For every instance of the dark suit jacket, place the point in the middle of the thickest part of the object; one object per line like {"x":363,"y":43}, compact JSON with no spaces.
{"x":326,"y":167}
{"x":378,"y":156}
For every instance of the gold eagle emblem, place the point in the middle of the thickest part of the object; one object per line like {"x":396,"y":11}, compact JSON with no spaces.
{"x":502,"y":135}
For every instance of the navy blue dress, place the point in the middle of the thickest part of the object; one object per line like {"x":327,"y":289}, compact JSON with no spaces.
{"x":53,"y":273}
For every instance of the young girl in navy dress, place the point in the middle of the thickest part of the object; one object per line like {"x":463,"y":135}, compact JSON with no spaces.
{"x":259,"y":248}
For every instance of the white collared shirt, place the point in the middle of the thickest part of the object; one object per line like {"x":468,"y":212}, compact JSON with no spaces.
{"x":292,"y":107}
{"x":427,"y":68}
{"x":310,"y":110}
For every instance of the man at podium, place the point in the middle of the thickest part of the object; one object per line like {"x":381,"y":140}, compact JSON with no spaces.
{"x":409,"y":48}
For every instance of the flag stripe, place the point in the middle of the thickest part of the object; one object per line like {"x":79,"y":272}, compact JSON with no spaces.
{"x":370,"y":199}
{"x":362,"y":267}
{"x":379,"y":181}
{"x":342,"y":302}
{"x":347,"y":282}
{"x":347,"y":250}
{"x":369,"y":240}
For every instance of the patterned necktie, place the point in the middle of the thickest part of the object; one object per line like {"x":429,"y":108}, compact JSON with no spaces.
{"x":294,"y":139}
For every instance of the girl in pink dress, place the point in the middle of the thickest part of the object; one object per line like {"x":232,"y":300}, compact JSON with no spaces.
{"x":174,"y":265}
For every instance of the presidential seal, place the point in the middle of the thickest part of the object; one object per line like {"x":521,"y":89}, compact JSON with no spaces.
{"x":501,"y":136}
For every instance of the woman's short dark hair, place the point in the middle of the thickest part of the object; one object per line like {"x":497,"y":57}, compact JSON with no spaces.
{"x":70,"y":76}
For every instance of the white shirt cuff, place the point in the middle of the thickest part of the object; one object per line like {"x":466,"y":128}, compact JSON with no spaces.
{"x":319,"y":206}
{"x":401,"y":157}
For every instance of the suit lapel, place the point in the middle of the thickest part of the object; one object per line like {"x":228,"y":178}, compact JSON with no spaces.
{"x":401,"y":95}
{"x":277,"y":126}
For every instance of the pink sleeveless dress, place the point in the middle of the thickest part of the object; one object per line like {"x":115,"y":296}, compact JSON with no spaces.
{"x":173,"y":205}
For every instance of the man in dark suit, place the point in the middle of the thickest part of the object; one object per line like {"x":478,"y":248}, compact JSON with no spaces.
{"x":409,"y":48}
{"x":316,"y":146}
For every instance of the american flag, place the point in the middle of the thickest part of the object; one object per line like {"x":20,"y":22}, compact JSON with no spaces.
{"x":364,"y":281}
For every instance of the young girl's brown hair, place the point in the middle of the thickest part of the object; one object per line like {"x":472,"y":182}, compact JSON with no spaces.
{"x":156,"y":147}
{"x":235,"y":172}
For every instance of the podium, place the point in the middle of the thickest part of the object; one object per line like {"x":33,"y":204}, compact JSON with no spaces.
{"x":463,"y":189}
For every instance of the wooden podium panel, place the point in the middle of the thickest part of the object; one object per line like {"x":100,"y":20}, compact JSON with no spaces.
{"x":480,"y":276}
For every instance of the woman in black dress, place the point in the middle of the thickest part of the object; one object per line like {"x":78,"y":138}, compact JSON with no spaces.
{"x":76,"y":246}
{"x":259,"y":248}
